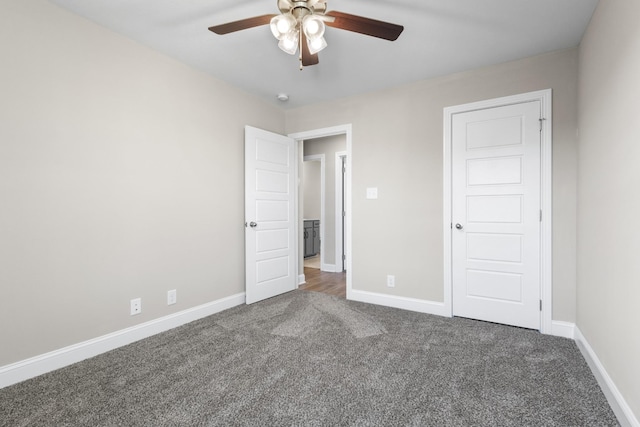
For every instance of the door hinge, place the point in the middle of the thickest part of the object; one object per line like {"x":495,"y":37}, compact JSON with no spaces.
{"x":540,"y":305}
{"x":344,"y":257}
{"x":540,"y":215}
{"x":541,"y":120}
{"x":344,"y":214}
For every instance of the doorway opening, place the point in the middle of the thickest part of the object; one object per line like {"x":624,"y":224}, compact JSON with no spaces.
{"x":323,"y":210}
{"x":313,"y":205}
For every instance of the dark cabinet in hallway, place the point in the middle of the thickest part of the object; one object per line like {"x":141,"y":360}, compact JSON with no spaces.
{"x":311,"y":237}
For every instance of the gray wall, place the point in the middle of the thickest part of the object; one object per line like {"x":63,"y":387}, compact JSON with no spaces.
{"x":311,"y":187}
{"x":397,"y":147}
{"x":120,"y":176}
{"x":608,"y":193}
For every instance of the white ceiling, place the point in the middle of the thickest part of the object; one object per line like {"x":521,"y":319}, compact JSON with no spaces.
{"x":440,"y":37}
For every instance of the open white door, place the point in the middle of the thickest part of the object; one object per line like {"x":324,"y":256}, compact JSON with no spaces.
{"x":270,"y":250}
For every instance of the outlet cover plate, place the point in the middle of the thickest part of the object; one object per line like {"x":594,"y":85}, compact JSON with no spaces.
{"x":136,"y":306}
{"x":391,"y":281}
{"x":171,"y":297}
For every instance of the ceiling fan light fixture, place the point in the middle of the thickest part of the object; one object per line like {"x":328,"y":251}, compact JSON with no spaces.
{"x":313,"y":27}
{"x":316,"y":45}
{"x":307,"y":19}
{"x":281,"y":25}
{"x":289,"y":43}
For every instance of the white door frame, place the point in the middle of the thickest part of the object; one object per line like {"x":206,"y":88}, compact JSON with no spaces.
{"x":319,"y":158}
{"x":546,"y":289}
{"x":341,"y":194}
{"x":320,"y":133}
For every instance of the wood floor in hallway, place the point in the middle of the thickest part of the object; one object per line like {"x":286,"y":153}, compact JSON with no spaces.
{"x":327,"y":283}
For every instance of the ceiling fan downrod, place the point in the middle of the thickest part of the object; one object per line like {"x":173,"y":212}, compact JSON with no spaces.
{"x":300,"y":55}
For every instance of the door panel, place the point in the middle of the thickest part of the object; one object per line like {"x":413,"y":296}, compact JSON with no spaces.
{"x":271,"y":269}
{"x":269,"y":205}
{"x":272,"y":210}
{"x":494,"y":247}
{"x":272,"y":240}
{"x":493,"y":133}
{"x":275,"y":182}
{"x":496,"y":202}
{"x":494,"y":285}
{"x":494,"y":209}
{"x":494,"y":171}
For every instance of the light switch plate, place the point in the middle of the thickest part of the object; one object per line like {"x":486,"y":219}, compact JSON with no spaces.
{"x":372,"y":193}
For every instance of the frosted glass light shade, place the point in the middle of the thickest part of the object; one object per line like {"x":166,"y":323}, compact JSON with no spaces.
{"x":316,"y":45}
{"x":289,"y":43}
{"x":281,"y":25}
{"x":313,"y":27}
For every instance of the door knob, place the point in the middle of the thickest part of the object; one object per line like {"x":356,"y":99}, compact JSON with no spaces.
{"x":253,"y":224}
{"x":459,"y":226}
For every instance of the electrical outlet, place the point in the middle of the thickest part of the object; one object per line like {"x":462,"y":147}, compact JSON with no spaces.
{"x":171,"y":297}
{"x":136,"y":306}
{"x":391,"y":281}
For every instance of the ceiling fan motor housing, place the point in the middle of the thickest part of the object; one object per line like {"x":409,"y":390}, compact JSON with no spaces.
{"x":301,"y":8}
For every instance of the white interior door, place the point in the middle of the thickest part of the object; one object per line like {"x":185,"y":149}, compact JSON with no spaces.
{"x":496,"y":214}
{"x":270,"y":250}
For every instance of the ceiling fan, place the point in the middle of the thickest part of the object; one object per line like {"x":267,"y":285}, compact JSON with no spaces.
{"x":301,"y":24}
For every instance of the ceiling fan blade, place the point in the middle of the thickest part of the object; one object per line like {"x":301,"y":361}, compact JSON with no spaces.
{"x":307,"y":57}
{"x":362,"y":25}
{"x":242,"y":24}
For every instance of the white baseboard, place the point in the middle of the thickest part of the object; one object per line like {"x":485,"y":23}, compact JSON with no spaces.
{"x":301,"y":279}
{"x":563,"y":329}
{"x":412,"y":304}
{"x":618,"y":404}
{"x":38,"y":365}
{"x":329,"y":268}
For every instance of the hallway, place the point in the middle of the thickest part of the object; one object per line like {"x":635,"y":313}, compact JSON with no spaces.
{"x":328,"y":283}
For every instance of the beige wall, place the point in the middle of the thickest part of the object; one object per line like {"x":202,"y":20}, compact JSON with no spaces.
{"x":120,"y":176}
{"x":397,"y":147}
{"x":608,"y":193}
{"x":328,"y":146}
{"x":311,"y":187}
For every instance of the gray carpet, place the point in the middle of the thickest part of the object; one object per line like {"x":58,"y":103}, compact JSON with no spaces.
{"x":310,"y":359}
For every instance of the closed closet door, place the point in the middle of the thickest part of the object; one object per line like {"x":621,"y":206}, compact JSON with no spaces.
{"x":496,"y":192}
